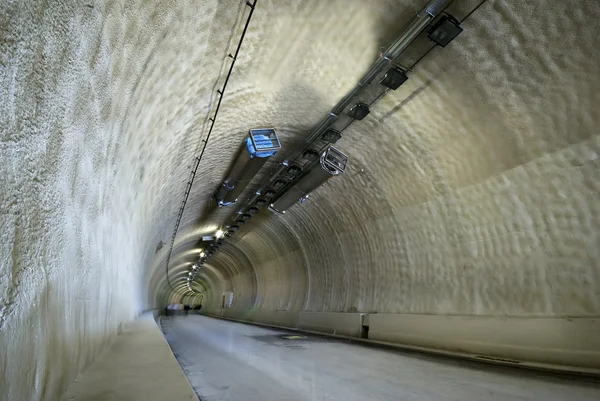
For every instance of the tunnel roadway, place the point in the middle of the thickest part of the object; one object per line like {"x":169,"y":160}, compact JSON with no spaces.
{"x":225,"y":361}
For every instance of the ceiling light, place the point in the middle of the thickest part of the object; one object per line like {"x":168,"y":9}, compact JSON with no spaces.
{"x":256,"y":148}
{"x":359,"y":111}
{"x":219,"y":233}
{"x":331,"y":135}
{"x":311,"y":155}
{"x":445,"y":30}
{"x":394,"y":78}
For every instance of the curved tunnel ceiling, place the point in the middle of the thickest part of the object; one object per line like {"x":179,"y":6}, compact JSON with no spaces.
{"x":301,"y":99}
{"x":471,"y":190}
{"x":396,"y":232}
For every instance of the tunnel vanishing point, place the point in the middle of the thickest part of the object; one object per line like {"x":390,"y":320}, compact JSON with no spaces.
{"x":148,"y":148}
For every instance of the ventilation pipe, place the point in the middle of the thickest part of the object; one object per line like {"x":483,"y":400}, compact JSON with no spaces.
{"x":332,"y":163}
{"x":257,"y":147}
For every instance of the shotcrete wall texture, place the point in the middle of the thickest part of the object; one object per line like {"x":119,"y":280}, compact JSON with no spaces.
{"x":472,"y":190}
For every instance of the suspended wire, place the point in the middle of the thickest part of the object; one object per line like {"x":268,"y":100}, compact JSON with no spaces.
{"x":472,"y":11}
{"x":213,"y":119}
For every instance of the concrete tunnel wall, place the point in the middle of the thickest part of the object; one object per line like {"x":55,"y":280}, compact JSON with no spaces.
{"x":468,"y":218}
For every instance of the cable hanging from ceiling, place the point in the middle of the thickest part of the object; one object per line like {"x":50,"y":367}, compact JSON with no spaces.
{"x":213,"y":119}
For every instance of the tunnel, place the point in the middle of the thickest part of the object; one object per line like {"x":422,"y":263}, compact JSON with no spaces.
{"x":429,"y":185}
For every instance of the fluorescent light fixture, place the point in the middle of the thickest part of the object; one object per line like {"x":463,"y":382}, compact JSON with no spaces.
{"x":445,"y":30}
{"x":255,"y":149}
{"x":219,"y":233}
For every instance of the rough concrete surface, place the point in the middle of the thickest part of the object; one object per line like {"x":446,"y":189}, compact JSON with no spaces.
{"x":471,"y":190}
{"x":139,"y":366}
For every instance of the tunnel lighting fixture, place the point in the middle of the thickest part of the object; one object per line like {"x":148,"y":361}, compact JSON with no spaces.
{"x":445,"y":30}
{"x":256,"y":148}
{"x":331,"y":135}
{"x":278,"y":184}
{"x":251,"y":210}
{"x":260,"y":202}
{"x":269,"y":194}
{"x":202,"y":254}
{"x":219,"y":234}
{"x":359,"y":111}
{"x":293,"y":171}
{"x":245,"y":216}
{"x":311,"y":155}
{"x":394,"y":78}
{"x":332,"y":163}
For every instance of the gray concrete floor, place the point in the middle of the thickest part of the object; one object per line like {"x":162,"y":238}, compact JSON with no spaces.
{"x":232,"y":361}
{"x":138,"y":366}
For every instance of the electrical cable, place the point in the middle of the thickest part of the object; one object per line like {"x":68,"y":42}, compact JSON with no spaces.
{"x":221,"y":93}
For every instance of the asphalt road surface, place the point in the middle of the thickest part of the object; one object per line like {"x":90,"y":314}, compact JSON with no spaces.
{"x":227,"y":361}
